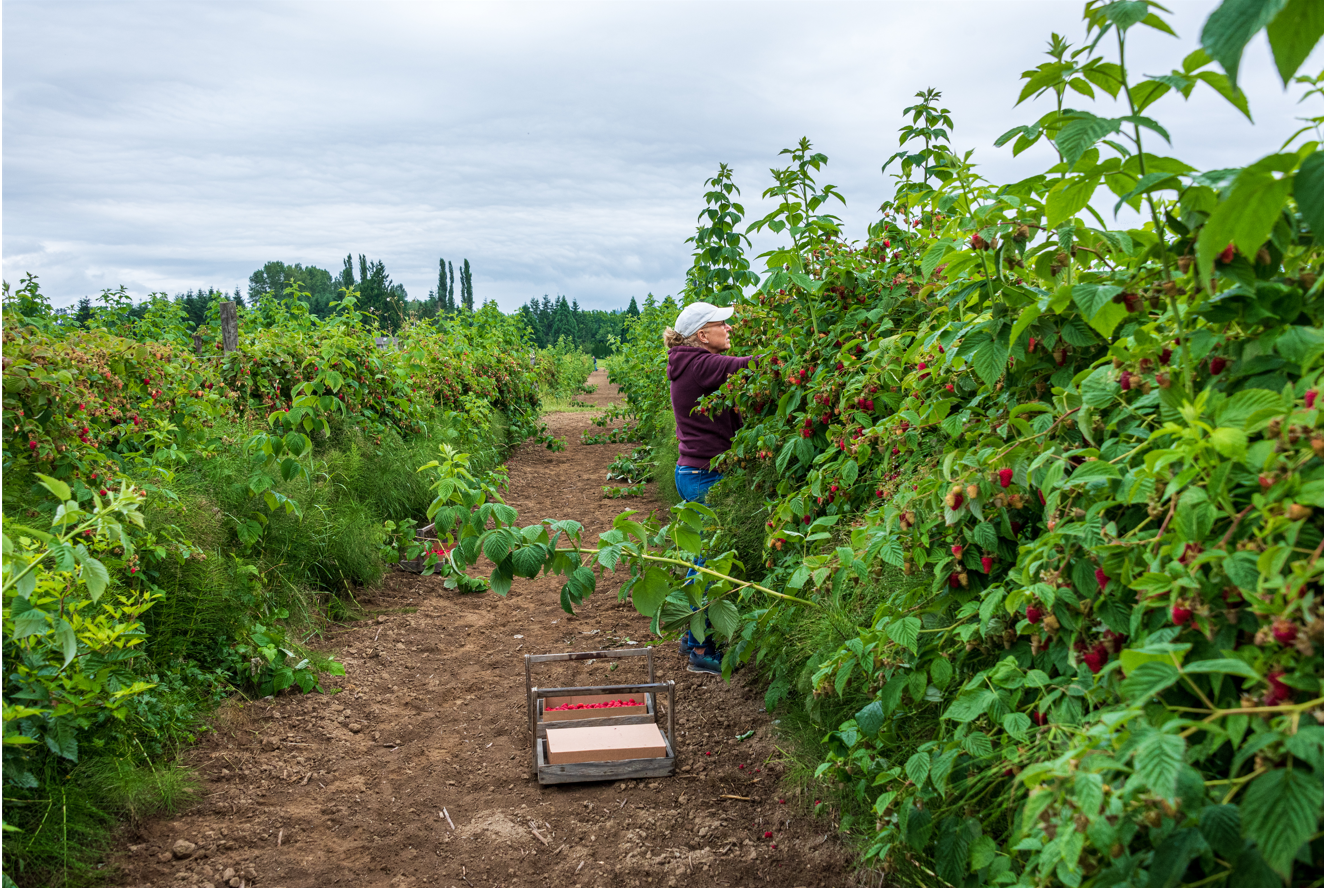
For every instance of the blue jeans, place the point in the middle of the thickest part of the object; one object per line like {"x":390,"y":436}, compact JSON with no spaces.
{"x":693,"y":483}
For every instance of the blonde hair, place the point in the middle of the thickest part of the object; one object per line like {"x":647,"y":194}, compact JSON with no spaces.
{"x":672,"y":339}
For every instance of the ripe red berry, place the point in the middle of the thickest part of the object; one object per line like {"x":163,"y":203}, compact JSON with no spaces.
{"x":1180,"y":615}
{"x":1284,"y":631}
{"x":1311,"y":395}
{"x":1095,"y":660}
{"x":1039,"y":718}
{"x":767,"y":835}
{"x":1228,"y":252}
{"x":986,"y":562}
{"x":1101,"y":578}
{"x":1004,"y":477}
{"x":103,"y":491}
{"x":923,"y":366}
{"x":32,"y":445}
{"x":1216,"y":365}
{"x":1033,"y":614}
{"x":957,"y":550}
{"x":1278,"y":692}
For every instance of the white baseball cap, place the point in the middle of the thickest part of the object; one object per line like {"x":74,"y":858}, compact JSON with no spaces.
{"x":696,"y":314}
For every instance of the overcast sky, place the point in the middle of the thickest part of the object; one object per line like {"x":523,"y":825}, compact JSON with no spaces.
{"x":560,"y":147}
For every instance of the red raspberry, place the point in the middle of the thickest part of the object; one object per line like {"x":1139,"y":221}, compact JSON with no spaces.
{"x":1004,"y":477}
{"x":1033,"y":614}
{"x":1180,"y":615}
{"x":1278,"y":692}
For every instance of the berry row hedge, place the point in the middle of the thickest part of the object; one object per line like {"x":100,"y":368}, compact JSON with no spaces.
{"x":1052,"y":481}
{"x":178,"y":519}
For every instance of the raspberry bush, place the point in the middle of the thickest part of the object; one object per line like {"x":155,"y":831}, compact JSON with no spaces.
{"x":1067,"y":471}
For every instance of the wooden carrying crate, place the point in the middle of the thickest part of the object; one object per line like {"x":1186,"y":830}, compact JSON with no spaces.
{"x":415,"y":565}
{"x":541,"y":721}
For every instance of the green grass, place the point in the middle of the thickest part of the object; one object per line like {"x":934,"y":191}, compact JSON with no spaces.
{"x":302,"y":572}
{"x":666,"y":451}
{"x":66,"y":827}
{"x":567,"y":405}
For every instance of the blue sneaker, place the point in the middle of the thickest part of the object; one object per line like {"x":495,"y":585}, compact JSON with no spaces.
{"x":705,"y":660}
{"x":687,"y":644}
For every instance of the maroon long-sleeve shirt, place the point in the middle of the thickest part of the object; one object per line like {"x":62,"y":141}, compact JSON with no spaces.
{"x":693,"y":373}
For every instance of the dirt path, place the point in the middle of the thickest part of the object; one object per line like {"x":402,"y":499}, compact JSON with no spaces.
{"x":348,"y":789}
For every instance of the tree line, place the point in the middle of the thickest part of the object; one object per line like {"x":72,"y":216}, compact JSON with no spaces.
{"x":549,"y":320}
{"x":590,"y":331}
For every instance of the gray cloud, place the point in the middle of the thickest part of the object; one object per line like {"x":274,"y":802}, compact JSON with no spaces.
{"x":561,"y":148}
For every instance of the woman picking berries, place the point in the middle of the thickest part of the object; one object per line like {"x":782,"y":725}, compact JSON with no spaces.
{"x":697,"y":366}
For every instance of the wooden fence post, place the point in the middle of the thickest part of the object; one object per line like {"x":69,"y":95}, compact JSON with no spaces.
{"x":229,"y":326}
{"x":197,"y":343}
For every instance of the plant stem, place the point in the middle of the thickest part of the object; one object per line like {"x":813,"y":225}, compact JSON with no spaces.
{"x":698,"y":568}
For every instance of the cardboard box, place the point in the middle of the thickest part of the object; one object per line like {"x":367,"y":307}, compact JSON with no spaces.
{"x":604,"y":743}
{"x":548,"y":714}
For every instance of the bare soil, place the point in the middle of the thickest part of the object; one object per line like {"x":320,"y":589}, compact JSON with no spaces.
{"x":350,"y":787}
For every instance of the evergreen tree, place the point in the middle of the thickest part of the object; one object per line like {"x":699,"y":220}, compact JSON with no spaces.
{"x":633,"y":310}
{"x":450,"y":290}
{"x":563,"y":324}
{"x":379,"y":295}
{"x":467,"y":286}
{"x":84,"y":312}
{"x":441,"y":286}
{"x":346,"y":280}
